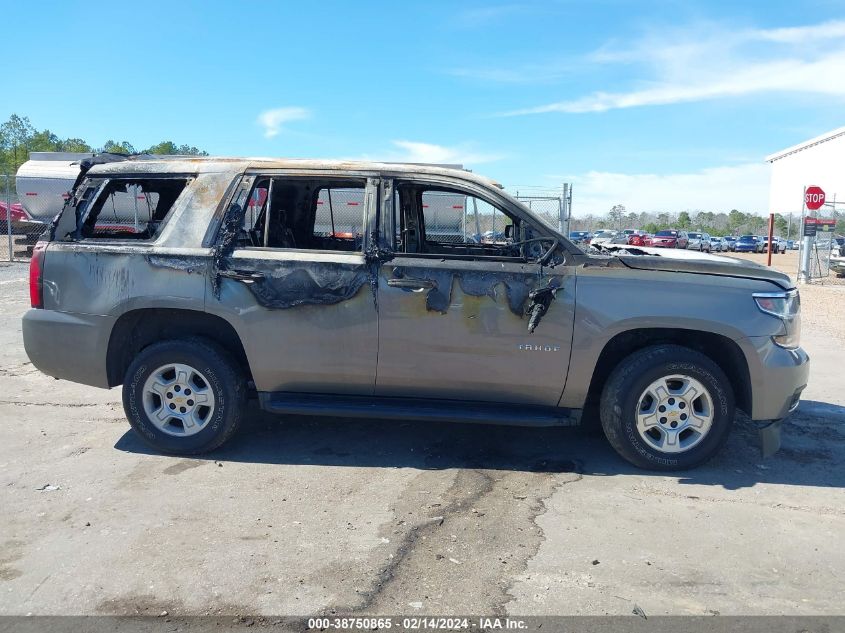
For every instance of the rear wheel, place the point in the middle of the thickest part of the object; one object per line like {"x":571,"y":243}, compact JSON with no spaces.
{"x":667,"y":407}
{"x":184,"y":397}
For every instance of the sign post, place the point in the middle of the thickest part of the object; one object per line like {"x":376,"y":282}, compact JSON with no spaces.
{"x":771,"y":238}
{"x":813,"y":200}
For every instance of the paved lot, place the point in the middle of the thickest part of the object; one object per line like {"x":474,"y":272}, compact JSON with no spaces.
{"x":303,"y":515}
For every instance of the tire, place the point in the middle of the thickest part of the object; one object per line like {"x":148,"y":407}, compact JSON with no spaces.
{"x":625,"y":390}
{"x":216,"y":378}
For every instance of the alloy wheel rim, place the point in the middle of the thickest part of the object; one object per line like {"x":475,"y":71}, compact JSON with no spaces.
{"x":178,"y":399}
{"x":674,"y":413}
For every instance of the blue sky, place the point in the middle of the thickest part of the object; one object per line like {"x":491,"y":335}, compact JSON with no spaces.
{"x":655,"y":105}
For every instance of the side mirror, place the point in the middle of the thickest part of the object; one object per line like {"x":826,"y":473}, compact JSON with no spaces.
{"x":509,"y":232}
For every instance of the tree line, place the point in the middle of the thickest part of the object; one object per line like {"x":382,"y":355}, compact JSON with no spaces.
{"x":733,"y":222}
{"x":19,"y":137}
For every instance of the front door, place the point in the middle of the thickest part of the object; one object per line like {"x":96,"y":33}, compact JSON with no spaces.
{"x":453,"y":300}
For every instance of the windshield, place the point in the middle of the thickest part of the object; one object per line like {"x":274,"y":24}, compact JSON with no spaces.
{"x":667,"y":233}
{"x":694,"y":235}
{"x":748,"y":238}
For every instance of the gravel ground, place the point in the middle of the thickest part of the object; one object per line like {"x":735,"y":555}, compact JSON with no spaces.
{"x":305,"y":515}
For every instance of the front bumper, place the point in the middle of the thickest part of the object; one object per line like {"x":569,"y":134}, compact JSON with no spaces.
{"x":778,"y":376}
{"x":837,"y":265}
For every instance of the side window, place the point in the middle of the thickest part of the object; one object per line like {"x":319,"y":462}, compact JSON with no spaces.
{"x":127,"y":208}
{"x":444,"y":221}
{"x":455,"y":218}
{"x":304,"y":213}
{"x":340,"y":213}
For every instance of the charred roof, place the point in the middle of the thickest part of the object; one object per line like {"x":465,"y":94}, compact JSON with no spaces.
{"x":212,"y":164}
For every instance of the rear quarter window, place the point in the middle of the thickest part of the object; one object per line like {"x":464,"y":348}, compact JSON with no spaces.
{"x":126,"y":208}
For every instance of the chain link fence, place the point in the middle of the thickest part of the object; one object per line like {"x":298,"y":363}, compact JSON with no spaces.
{"x":824,"y":243}
{"x":547,"y":208}
{"x":19,"y":228}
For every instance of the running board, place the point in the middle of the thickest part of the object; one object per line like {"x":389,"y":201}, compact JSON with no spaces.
{"x":417,"y":409}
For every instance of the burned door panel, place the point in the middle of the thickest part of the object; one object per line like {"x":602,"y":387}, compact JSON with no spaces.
{"x":308,"y":316}
{"x":459,"y":329}
{"x":308,"y":326}
{"x":96,"y":279}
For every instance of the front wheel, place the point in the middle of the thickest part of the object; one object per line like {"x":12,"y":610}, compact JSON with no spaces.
{"x":184,"y":397}
{"x":667,"y":407}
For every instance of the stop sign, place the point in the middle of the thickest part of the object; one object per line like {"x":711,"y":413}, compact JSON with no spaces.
{"x":814,"y":197}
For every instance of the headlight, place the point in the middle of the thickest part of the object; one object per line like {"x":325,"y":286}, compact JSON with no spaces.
{"x":786,"y":306}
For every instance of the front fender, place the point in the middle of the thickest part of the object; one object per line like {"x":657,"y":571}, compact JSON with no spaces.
{"x":611,"y":300}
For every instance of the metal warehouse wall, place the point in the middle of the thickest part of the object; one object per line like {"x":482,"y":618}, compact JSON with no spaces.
{"x":822,"y":165}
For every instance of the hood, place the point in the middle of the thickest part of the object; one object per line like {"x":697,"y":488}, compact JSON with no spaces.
{"x":684,"y":261}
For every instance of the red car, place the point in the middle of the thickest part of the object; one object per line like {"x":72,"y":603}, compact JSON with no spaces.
{"x":22,"y":223}
{"x":670,"y":238}
{"x":638,"y":238}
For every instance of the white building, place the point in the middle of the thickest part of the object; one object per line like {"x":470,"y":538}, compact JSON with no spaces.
{"x":819,"y":161}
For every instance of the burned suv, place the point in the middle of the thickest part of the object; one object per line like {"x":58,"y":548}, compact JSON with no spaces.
{"x":396,"y":291}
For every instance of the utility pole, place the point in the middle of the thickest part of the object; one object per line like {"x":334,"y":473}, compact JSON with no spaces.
{"x":562,"y":208}
{"x":565,"y":210}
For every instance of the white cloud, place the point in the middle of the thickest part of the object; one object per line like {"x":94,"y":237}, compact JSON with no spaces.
{"x":273,"y":120}
{"x":803,"y":35}
{"x":744,"y":187}
{"x":717,"y":61}
{"x":416,"y":152}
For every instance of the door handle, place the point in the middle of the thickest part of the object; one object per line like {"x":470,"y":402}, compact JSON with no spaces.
{"x":245,"y":276}
{"x":410,"y":283}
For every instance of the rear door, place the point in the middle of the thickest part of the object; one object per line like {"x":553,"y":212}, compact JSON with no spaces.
{"x":293,"y":279}
{"x":453,"y":300}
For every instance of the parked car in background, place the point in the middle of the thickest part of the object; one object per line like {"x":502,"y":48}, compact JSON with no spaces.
{"x":638,"y":238}
{"x":670,"y":238}
{"x":729,"y":243}
{"x":716,"y":244}
{"x":603,"y":237}
{"x":580,"y":237}
{"x":748,"y":244}
{"x":623,"y":236}
{"x":699,"y":242}
{"x":778,"y":244}
{"x":837,"y":261}
{"x":790,"y":244}
{"x":837,"y":256}
{"x":22,"y":222}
